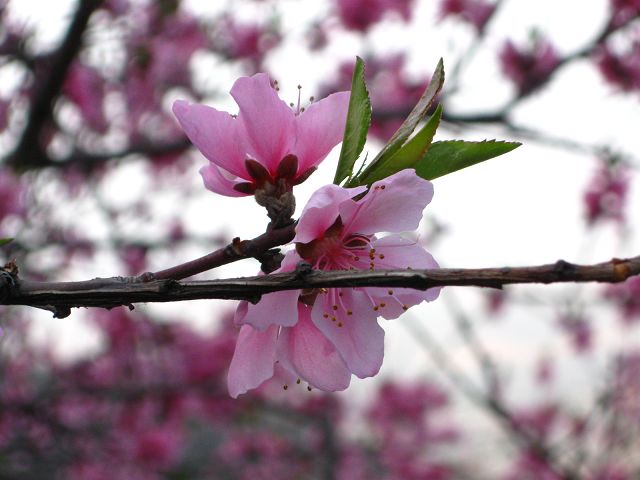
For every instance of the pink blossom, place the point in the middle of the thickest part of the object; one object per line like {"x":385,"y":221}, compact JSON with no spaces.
{"x":626,"y":389}
{"x":246,"y":41}
{"x":117,"y":7}
{"x":337,"y":232}
{"x":362,"y":14}
{"x":621,"y":69}
{"x":610,"y":472}
{"x":267,"y":143}
{"x":626,"y":297}
{"x":474,"y":12}
{"x":622,"y":11}
{"x":159,"y":447}
{"x":12,"y":193}
{"x":531,"y":67}
{"x":170,"y":51}
{"x":86,"y":89}
{"x":606,"y":194}
{"x":579,"y":330}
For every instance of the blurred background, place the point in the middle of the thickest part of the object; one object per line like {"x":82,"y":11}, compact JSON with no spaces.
{"x":97,"y":179}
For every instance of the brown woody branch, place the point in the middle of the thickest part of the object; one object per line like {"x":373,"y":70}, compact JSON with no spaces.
{"x":29,"y":152}
{"x":59,"y":297}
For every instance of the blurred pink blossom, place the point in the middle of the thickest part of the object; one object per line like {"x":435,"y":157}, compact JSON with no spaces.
{"x":363,"y":14}
{"x":12,"y":194}
{"x":626,"y":388}
{"x":85,"y":87}
{"x":171,"y":49}
{"x":626,"y":297}
{"x":267,"y":143}
{"x":579,"y":330}
{"x":245,"y":41}
{"x":606,"y":195}
{"x":531,"y":66}
{"x":620,"y":69}
{"x":622,"y":11}
{"x":474,"y":12}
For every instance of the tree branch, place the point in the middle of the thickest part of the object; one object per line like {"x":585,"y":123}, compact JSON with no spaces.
{"x":59,"y":297}
{"x":29,"y":153}
{"x":236,"y":250}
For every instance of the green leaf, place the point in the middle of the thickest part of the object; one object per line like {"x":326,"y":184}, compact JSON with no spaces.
{"x":446,"y":157}
{"x":408,"y":155}
{"x":4,"y":241}
{"x":411,"y":122}
{"x":357,"y":126}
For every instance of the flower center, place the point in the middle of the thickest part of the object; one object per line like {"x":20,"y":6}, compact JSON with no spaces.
{"x":334,"y":251}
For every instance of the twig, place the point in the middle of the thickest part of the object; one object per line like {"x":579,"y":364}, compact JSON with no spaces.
{"x":110,"y":292}
{"x":29,"y":152}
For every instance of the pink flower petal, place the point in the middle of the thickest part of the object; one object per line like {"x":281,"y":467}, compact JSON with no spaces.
{"x":321,"y":211}
{"x":305,"y":350}
{"x":253,"y":359}
{"x":357,"y":337}
{"x":215,"y":181}
{"x":398,"y":252}
{"x":320,"y":128}
{"x":268,"y":122}
{"x":214,"y":133}
{"x":278,"y":308}
{"x":394,"y":204}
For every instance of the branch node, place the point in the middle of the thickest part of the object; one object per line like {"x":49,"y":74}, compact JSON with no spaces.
{"x":564,"y":268}
{"x":621,"y":269}
{"x":235,"y":248}
{"x":145,"y":277}
{"x":60,"y":311}
{"x":303,"y":270}
{"x":270,"y":260}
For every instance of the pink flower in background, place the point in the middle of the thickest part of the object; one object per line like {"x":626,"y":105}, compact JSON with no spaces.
{"x":171,"y":50}
{"x":85,"y":87}
{"x":579,"y":330}
{"x":531,"y":67}
{"x":623,"y":11}
{"x":267,"y":142}
{"x":393,"y":92}
{"x":362,"y":14}
{"x":337,"y":232}
{"x":245,"y":41}
{"x":607,"y":192}
{"x":474,"y":12}
{"x":626,"y":297}
{"x":621,"y":69}
{"x":12,"y":193}
{"x":626,"y":389}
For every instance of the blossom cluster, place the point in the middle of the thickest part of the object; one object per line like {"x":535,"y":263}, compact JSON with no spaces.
{"x":320,"y":336}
